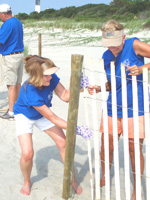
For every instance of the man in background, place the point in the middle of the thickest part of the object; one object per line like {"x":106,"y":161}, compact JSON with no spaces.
{"x":11,"y":48}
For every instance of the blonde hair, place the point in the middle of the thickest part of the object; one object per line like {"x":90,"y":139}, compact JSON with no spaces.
{"x":112,"y":25}
{"x":35,"y":66}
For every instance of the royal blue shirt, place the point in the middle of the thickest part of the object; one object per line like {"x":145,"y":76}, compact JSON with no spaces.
{"x":128,"y":57}
{"x":11,"y":36}
{"x":32,"y":96}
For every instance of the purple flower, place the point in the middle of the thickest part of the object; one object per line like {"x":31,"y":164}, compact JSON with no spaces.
{"x":84,"y":81}
{"x":84,"y":132}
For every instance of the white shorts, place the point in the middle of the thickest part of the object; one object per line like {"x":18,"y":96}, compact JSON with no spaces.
{"x":25,"y":125}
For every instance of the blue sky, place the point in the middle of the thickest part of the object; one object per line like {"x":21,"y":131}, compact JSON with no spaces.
{"x":28,"y":6}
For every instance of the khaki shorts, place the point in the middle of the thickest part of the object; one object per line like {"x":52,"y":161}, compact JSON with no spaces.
{"x":120,"y":126}
{"x":12,"y":69}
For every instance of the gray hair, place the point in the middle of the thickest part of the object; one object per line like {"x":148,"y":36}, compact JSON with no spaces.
{"x":112,"y":25}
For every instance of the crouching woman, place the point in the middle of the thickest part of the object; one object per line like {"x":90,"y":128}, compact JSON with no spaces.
{"x":32,"y":108}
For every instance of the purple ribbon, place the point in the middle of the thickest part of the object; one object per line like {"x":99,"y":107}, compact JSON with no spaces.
{"x":84,"y":81}
{"x":84,"y":132}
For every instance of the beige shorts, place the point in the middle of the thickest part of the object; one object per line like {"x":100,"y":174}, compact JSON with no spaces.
{"x":120,"y":126}
{"x":12,"y":69}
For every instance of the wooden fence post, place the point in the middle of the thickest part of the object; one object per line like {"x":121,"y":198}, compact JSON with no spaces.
{"x":40,"y":46}
{"x":76,"y":66}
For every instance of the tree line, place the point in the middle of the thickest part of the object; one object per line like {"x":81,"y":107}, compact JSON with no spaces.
{"x":118,"y":9}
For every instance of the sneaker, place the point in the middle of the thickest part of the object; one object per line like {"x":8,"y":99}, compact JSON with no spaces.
{"x":7,"y":116}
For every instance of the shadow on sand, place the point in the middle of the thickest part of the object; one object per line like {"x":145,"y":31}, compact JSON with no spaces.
{"x":46,"y":154}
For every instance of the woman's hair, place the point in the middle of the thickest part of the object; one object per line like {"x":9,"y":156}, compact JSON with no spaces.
{"x":35,"y":66}
{"x":112,"y":25}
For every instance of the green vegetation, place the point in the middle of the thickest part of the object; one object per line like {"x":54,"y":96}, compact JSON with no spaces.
{"x":25,"y":50}
{"x":124,"y":10}
{"x":134,"y":14}
{"x":63,"y":24}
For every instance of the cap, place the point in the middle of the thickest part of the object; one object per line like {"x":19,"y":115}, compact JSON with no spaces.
{"x":112,"y":39}
{"x":4,"y":8}
{"x":50,"y":71}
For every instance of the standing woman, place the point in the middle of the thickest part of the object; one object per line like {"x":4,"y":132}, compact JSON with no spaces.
{"x":131,"y":53}
{"x":32,"y":108}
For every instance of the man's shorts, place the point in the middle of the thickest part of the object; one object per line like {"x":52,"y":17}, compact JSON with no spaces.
{"x":25,"y":125}
{"x":120,"y":126}
{"x":12,"y":69}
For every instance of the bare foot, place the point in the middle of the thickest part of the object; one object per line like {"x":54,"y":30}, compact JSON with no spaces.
{"x":102,"y":182}
{"x":77,"y":188}
{"x":25,"y":190}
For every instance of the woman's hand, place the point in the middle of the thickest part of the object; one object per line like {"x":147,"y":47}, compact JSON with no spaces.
{"x":135,"y":70}
{"x":91,"y":89}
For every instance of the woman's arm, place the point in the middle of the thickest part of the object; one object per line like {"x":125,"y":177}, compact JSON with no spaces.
{"x":47,"y":113}
{"x":135,"y":70}
{"x":141,"y":49}
{"x":98,"y":88}
{"x":62,"y":93}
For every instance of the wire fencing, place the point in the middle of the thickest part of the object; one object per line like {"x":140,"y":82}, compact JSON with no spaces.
{"x":120,"y":184}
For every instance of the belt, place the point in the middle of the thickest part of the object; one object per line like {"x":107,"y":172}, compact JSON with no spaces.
{"x":14,"y":53}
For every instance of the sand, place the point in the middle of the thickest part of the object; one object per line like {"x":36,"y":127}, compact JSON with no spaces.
{"x":47,"y":173}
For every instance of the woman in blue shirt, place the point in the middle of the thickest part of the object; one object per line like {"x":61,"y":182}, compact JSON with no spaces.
{"x":131,"y":53}
{"x":32,"y":108}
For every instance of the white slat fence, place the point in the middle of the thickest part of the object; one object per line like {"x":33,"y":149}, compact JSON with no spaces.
{"x":127,"y":182}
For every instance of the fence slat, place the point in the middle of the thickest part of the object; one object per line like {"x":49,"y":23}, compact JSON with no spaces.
{"x":136,"y":138}
{"x":147,"y":135}
{"x":96,"y":136}
{"x":88,"y":141}
{"x":106,"y":134}
{"x":125,"y":131}
{"x":115,"y":131}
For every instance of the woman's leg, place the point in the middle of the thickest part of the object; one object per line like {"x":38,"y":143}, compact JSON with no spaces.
{"x":111,"y":149}
{"x":59,"y":138}
{"x":26,"y":160}
{"x":132,"y":156}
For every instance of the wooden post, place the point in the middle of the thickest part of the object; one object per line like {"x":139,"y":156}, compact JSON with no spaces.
{"x":3,"y":110}
{"x":40,"y":46}
{"x":76,"y":66}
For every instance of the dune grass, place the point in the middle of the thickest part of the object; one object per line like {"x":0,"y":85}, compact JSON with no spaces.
{"x":134,"y":25}
{"x":64,"y":24}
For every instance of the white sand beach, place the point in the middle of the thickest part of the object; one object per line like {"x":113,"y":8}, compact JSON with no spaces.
{"x":47,"y":173}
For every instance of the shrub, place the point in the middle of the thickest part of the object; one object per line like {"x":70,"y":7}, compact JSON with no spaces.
{"x":147,"y":25}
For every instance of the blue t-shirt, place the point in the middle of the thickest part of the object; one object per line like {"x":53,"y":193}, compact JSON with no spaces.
{"x":32,"y":96}
{"x":128,"y":57}
{"x":11,"y":36}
